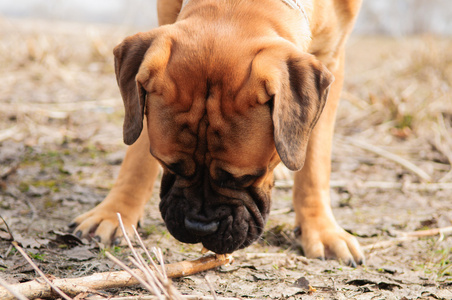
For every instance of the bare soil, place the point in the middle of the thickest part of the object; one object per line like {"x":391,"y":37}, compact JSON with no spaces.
{"x":61,"y":148}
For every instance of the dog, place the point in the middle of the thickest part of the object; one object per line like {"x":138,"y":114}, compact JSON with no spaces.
{"x":218,"y":95}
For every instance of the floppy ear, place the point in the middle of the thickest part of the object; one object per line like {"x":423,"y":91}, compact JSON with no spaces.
{"x":128,"y":57}
{"x":299,"y":96}
{"x":137,"y":57}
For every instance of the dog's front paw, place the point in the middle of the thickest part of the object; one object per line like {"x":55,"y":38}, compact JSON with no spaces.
{"x":101,"y":223}
{"x":321,"y":237}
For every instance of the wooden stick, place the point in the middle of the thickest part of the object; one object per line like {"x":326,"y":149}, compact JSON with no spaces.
{"x":184,"y":297}
{"x":100,"y":281}
{"x":8,"y":133}
{"x":12,"y":291}
{"x":11,"y":237}
{"x":387,"y":185}
{"x":51,"y":286}
{"x":391,"y":156}
{"x":155,"y":281}
{"x":429,"y":232}
{"x":260,"y":255}
{"x":406,"y":236}
{"x":387,"y":243}
{"x":443,"y":142}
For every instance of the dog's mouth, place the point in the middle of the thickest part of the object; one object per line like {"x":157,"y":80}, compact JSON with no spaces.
{"x":222,"y":220}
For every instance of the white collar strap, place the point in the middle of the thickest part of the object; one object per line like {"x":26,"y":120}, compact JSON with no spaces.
{"x":183,"y":4}
{"x":295,"y":4}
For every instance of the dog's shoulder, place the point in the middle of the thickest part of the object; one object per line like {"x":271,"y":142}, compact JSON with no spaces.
{"x":331,"y":23}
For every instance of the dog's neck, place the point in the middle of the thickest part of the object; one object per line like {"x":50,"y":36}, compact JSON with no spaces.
{"x":295,"y":4}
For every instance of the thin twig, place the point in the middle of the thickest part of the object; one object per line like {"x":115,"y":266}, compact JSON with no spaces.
{"x":8,"y":229}
{"x":34,"y":213}
{"x":155,"y":274}
{"x":153,"y":279}
{"x":55,"y":288}
{"x":144,"y":268}
{"x":130,"y":271}
{"x":406,"y":236}
{"x":101,"y":281}
{"x":151,"y":287}
{"x":107,"y":280}
{"x":184,"y":297}
{"x":10,"y":289}
{"x":387,"y":243}
{"x":150,"y":280}
{"x":281,"y":211}
{"x":387,"y":185}
{"x":146,"y":251}
{"x":212,"y":290}
{"x":445,"y":147}
{"x":391,"y":156}
{"x":10,"y":170}
{"x":60,"y":107}
{"x":159,"y":256}
{"x":8,"y":133}
{"x":429,"y":232}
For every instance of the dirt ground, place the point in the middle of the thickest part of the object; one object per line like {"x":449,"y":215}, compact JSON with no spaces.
{"x":61,"y":148}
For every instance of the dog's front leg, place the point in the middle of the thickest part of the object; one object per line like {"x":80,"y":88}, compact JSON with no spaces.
{"x":321,"y":236}
{"x":131,"y":191}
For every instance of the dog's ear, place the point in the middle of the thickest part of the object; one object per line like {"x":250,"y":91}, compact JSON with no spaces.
{"x":298,"y":102}
{"x":128,"y":57}
{"x":296,"y":86}
{"x":138,"y":56}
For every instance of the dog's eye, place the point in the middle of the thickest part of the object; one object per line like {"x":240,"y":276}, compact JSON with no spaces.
{"x":226,"y":179}
{"x":177,"y":168}
{"x":223,"y":176}
{"x":245,"y":180}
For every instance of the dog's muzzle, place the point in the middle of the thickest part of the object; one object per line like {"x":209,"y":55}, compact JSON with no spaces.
{"x":223,"y":220}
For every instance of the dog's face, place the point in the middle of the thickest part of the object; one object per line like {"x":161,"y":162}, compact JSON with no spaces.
{"x":221,"y":115}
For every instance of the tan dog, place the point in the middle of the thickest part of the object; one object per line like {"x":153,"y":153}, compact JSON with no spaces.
{"x":230,"y":89}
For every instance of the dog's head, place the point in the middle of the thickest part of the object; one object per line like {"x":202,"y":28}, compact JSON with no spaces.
{"x":221,"y":114}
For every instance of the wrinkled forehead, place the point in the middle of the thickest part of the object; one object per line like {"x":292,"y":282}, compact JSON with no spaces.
{"x":207,"y":106}
{"x":206,"y":89}
{"x":209,"y":62}
{"x":209,"y":123}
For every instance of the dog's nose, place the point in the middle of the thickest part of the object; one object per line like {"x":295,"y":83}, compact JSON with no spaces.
{"x":201,"y":228}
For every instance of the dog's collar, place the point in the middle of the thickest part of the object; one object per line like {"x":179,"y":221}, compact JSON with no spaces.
{"x":295,"y":4}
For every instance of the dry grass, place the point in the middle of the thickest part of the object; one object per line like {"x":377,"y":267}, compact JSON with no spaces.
{"x":58,"y":87}
{"x":397,"y":92}
{"x":398,"y":95}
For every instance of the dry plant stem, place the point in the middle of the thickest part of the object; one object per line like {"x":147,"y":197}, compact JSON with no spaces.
{"x":156,"y":286}
{"x":11,"y":290}
{"x":212,"y":290}
{"x":101,"y":281}
{"x":11,"y":169}
{"x":429,"y":232}
{"x":184,"y":297}
{"x":8,"y":133}
{"x":406,"y":236}
{"x":156,"y":281}
{"x":442,"y":134}
{"x":385,"y":244}
{"x":8,"y":229}
{"x":391,"y":156}
{"x":157,"y":275}
{"x":427,"y":187}
{"x":55,"y":288}
{"x":137,"y":276}
{"x":302,"y":259}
